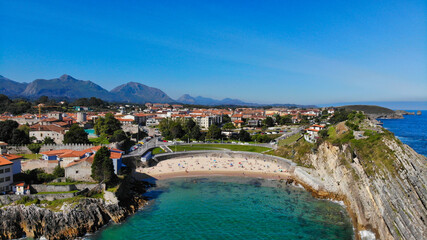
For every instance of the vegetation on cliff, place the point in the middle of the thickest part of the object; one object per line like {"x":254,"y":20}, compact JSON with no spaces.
{"x":365,"y":141}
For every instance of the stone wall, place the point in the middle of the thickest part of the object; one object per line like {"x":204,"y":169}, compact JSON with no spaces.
{"x":8,"y":199}
{"x":23,"y":149}
{"x":53,"y":188}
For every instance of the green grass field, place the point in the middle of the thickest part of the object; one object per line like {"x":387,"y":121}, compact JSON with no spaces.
{"x":157,"y":151}
{"x":31,"y":156}
{"x":99,"y":140}
{"x":289,"y":140}
{"x":195,"y":147}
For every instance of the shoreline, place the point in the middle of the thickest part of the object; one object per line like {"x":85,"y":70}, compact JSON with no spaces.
{"x":319,"y":194}
{"x":183,"y":174}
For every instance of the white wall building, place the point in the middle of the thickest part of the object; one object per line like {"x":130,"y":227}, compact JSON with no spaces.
{"x":6,"y":175}
{"x":206,"y":121}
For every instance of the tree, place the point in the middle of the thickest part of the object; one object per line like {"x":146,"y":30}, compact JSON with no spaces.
{"x":226,"y":118}
{"x":76,"y":134}
{"x":195,"y":133}
{"x":176,"y":130}
{"x":43,"y":99}
{"x":102,"y":166}
{"x":34,"y":148}
{"x":118,"y":136}
{"x":107,"y":125}
{"x":286,"y":120}
{"x":48,"y":140}
{"x":19,"y":137}
{"x":269,"y":122}
{"x":108,"y":171}
{"x":6,"y":130}
{"x":101,"y":155}
{"x":189,"y":125}
{"x":214,"y":132}
{"x":59,"y":172}
{"x":25,"y":128}
{"x":228,"y":126}
{"x":244,"y":136}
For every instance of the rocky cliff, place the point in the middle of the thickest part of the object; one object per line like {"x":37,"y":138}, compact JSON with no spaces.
{"x":383,"y":183}
{"x":73,"y":220}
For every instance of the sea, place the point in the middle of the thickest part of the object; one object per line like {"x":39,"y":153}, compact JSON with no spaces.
{"x":412,"y":130}
{"x":232,"y":208}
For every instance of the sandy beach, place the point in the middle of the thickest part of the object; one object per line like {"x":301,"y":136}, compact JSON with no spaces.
{"x":221,"y":166}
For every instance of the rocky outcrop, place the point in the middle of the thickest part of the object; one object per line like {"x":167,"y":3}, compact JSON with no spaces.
{"x":403,"y":112}
{"x":75,"y":219}
{"x":393,"y":205}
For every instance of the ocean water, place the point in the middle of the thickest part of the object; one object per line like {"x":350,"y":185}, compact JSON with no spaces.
{"x":412,"y":130}
{"x":232,"y":208}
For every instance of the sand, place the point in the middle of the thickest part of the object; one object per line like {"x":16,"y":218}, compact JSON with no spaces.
{"x":221,"y":166}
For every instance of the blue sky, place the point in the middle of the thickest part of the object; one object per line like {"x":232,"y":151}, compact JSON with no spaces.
{"x":306,"y":52}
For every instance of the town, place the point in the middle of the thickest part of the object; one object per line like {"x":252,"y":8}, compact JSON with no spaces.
{"x":58,"y":143}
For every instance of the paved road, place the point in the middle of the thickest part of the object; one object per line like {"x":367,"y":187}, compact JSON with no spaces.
{"x":141,"y":150}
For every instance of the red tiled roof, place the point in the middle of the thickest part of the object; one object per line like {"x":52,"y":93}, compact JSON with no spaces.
{"x":4,"y":161}
{"x":125,"y":120}
{"x":10,"y":156}
{"x":52,"y":127}
{"x":20,"y":184}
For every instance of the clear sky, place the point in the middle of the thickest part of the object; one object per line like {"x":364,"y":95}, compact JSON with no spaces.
{"x":305,"y":52}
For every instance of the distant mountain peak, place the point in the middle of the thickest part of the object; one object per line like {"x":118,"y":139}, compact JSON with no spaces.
{"x":138,"y":92}
{"x":66,"y":77}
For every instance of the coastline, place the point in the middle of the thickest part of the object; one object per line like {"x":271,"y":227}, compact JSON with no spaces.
{"x":183,"y":174}
{"x":320,"y":194}
{"x":169,"y":169}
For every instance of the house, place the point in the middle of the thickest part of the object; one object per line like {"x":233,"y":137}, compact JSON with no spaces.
{"x":16,"y":161}
{"x":236,"y":117}
{"x":152,"y":122}
{"x":238,"y":123}
{"x":312,"y":133}
{"x":254,"y":122}
{"x":80,"y":169}
{"x":3,"y":147}
{"x":21,"y":188}
{"x":53,"y":131}
{"x":6,"y":175}
{"x":63,"y":156}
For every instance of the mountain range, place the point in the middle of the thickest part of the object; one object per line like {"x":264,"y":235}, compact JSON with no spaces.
{"x":68,"y":88}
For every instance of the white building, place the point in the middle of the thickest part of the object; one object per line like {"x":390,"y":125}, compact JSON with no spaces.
{"x":6,"y":175}
{"x":53,"y":131}
{"x":81,"y":117}
{"x":206,"y":121}
{"x":152,"y":122}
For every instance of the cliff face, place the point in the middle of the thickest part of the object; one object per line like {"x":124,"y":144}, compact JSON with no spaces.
{"x":74,"y":220}
{"x":392,"y":204}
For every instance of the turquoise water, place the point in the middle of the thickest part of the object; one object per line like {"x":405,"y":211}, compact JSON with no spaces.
{"x":412,"y":130}
{"x":232,"y":208}
{"x":91,"y":132}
